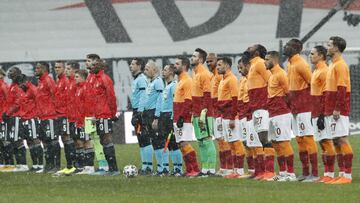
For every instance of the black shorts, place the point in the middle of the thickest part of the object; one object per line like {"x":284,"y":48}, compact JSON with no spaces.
{"x":61,"y":126}
{"x":81,"y":135}
{"x":103,"y":126}
{"x":72,"y":130}
{"x":3,"y":131}
{"x":30,"y":128}
{"x":14,"y":129}
{"x":46,"y":130}
{"x":166,"y":128}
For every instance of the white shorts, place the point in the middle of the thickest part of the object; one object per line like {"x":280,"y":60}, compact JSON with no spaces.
{"x":218,"y":130}
{"x":321,"y":134}
{"x":185,"y":133}
{"x":260,"y":118}
{"x":301,"y":124}
{"x":241,"y":126}
{"x":252,"y":140}
{"x":339,"y":128}
{"x":231,"y":135}
{"x":280,"y":127}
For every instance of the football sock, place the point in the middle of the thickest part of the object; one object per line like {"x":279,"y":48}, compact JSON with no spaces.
{"x":89,"y":156}
{"x":348,"y":156}
{"x":328,"y":155}
{"x":165,"y":160}
{"x":203,"y":156}
{"x":142,"y":156}
{"x":159,"y":159}
{"x":222,"y":158}
{"x":20,"y":155}
{"x":176,"y":157}
{"x":39,"y":154}
{"x":289,"y":155}
{"x":80,"y":157}
{"x":340,"y":159}
{"x":99,"y":152}
{"x":109,"y":152}
{"x":269,"y":159}
{"x":56,"y":153}
{"x":304,"y":155}
{"x":33,"y":155}
{"x":69,"y":149}
{"x":260,"y":156}
{"x":211,"y":154}
{"x":189,"y":156}
{"x":148,"y":155}
{"x":312,"y":150}
{"x":250,"y":158}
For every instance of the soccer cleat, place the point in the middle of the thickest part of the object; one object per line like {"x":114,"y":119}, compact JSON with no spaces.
{"x":341,"y":180}
{"x":62,"y":171}
{"x":291,"y":177}
{"x":221,"y":172}
{"x":311,"y":179}
{"x":301,"y":178}
{"x":268,"y":176}
{"x":21,"y":168}
{"x":232,"y":175}
{"x":332,"y":180}
{"x":259,"y":176}
{"x":70,"y":171}
{"x":202,"y":175}
{"x":192,"y":174}
{"x":279,"y":178}
{"x":52,"y":170}
{"x":112,"y":173}
{"x":7,"y":168}
{"x":88,"y":170}
{"x":177,"y":173}
{"x":99,"y":172}
{"x":324,"y":179}
{"x":244,"y":176}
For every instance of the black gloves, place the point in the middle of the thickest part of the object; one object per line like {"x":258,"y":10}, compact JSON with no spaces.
{"x":321,"y":122}
{"x":180,"y":122}
{"x":5,"y":117}
{"x":136,"y":119}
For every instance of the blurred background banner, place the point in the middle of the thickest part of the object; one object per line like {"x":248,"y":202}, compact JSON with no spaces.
{"x":118,"y":30}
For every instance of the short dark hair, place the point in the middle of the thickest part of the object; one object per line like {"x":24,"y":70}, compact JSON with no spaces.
{"x":93,"y":56}
{"x":226,"y":60}
{"x":297,"y":45}
{"x":82,"y":72}
{"x":202,"y":53}
{"x":339,"y":42}
{"x":184,"y":61}
{"x":321,"y":50}
{"x":16,"y":69}
{"x":261,"y":50}
{"x":74,"y":65}
{"x":273,"y":54}
{"x":245,"y":58}
{"x":140,"y":62}
{"x":45,"y":65}
{"x":171,"y":67}
{"x":59,"y":61}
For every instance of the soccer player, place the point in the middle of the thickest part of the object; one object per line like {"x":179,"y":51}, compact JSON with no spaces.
{"x":30,"y":123}
{"x":318,"y":59}
{"x":83,"y":143}
{"x":105,"y":111}
{"x":152,"y":103}
{"x":214,"y":117}
{"x":201,"y":98}
{"x":299,"y":75}
{"x":243,"y":113}
{"x":182,"y":115}
{"x":337,"y":108}
{"x":227,"y":102}
{"x":3,"y":94}
{"x":90,"y":127}
{"x":258,"y":77}
{"x":47,"y":113}
{"x":280,"y":118}
{"x":139,"y":86}
{"x":61,"y":122}
{"x":164,"y":123}
{"x":14,"y":145}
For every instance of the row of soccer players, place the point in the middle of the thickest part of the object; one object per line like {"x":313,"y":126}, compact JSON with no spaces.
{"x":251,"y":119}
{"x":77,"y":105}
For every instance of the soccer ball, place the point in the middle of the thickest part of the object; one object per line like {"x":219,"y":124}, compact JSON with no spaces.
{"x":130,"y":171}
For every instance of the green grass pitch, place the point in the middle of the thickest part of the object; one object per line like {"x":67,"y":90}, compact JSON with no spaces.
{"x":29,"y":187}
